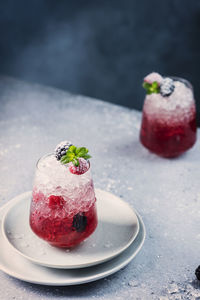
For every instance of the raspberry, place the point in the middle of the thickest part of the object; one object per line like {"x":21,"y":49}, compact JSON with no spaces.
{"x":56,"y":202}
{"x":81,"y":169}
{"x":167,"y":87}
{"x":79,"y":222}
{"x":152,"y":77}
{"x":61,"y":149}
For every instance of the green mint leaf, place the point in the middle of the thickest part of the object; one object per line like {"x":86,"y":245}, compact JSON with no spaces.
{"x":75,"y":161}
{"x":70,"y":155}
{"x":146,"y":86}
{"x":65,"y":160}
{"x":151,"y":88}
{"x":72,"y":149}
{"x":73,"y":154}
{"x":154,"y":85}
{"x":86,"y":156}
{"x":77,"y":150}
{"x":81,"y":151}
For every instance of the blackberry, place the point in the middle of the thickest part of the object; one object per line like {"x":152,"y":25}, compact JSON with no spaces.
{"x":167,"y":87}
{"x":79,"y":222}
{"x":197,"y":273}
{"x":61,"y":149}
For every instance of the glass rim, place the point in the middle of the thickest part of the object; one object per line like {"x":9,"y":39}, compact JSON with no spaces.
{"x":52,"y":154}
{"x":183,"y":80}
{"x":42,"y":157}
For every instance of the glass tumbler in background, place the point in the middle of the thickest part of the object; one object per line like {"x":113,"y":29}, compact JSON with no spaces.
{"x":169,"y":116}
{"x":63,"y":208}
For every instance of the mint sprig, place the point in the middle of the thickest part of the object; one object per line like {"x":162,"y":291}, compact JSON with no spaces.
{"x":151,"y":87}
{"x":73,"y":154}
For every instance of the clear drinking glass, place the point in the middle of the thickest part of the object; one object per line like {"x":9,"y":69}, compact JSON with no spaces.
{"x":63,"y":206}
{"x":169,"y":122}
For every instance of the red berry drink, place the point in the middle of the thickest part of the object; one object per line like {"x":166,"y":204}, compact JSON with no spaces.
{"x":169,"y":116}
{"x":63,"y":208}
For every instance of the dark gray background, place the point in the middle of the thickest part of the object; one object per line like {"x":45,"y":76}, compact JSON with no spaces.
{"x":101,"y":48}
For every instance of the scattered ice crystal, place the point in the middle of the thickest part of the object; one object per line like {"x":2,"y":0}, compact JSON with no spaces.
{"x":42,"y":252}
{"x":173,"y":288}
{"x":24,"y":244}
{"x":130,"y":188}
{"x":17,"y":236}
{"x":132,"y":283}
{"x":108,"y":245}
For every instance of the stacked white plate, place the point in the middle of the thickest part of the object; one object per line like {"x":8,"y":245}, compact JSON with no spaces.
{"x":118,"y":238}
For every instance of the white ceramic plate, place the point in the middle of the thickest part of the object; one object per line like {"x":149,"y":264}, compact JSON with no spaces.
{"x":17,"y":266}
{"x":117,"y":228}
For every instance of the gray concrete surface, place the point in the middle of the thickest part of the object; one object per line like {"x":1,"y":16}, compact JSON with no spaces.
{"x":166,"y":193}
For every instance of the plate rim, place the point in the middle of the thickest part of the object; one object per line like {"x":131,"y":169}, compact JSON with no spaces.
{"x":86,"y":279}
{"x":20,"y":197}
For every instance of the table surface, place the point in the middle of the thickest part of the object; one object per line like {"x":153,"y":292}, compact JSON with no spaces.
{"x":166,"y":192}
